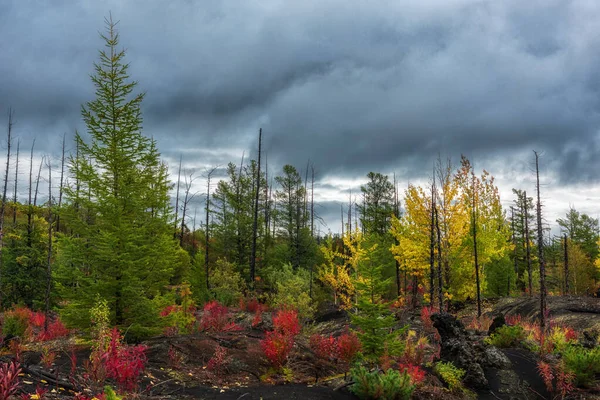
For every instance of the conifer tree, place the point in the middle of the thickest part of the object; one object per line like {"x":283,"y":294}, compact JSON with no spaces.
{"x":122,"y":246}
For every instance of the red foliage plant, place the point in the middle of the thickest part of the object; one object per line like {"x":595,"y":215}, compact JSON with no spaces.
{"x":9,"y":379}
{"x":545,"y":371}
{"x":348,"y":347}
{"x":119,"y":361}
{"x":416,"y":374}
{"x":215,"y":318}
{"x":426,"y":313}
{"x":56,"y":329}
{"x":277,"y":347}
{"x":325,"y":348}
{"x":218,"y":361}
{"x":286,"y":322}
{"x":124,"y":363}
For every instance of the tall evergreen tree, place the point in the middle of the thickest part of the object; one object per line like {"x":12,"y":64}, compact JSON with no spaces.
{"x":122,"y":246}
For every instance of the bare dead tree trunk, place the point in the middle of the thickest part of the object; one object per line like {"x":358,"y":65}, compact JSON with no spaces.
{"x":432,"y":247}
{"x":312,"y":224}
{"x":304,"y":220}
{"x":474,"y":212}
{"x":312,"y":201}
{"x":37,"y":182}
{"x":207,"y":228}
{"x":566,"y":266}
{"x":514,"y":240}
{"x":49,"y":259}
{"x":16,"y":185}
{"x":177,"y":198}
{"x":540,"y":247}
{"x":60,"y":189}
{"x":29,"y":204}
{"x":528,"y":247}
{"x":439,"y":246}
{"x":396,"y":262}
{"x":255,"y":222}
{"x":3,"y":206}
{"x":186,"y":201}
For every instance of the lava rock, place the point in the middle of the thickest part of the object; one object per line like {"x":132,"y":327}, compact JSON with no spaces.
{"x":458,"y":348}
{"x":498,"y":322}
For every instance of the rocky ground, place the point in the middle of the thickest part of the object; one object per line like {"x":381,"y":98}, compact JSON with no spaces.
{"x":177,"y":364}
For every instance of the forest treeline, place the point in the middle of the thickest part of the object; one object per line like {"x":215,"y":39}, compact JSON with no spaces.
{"x":112,"y":233}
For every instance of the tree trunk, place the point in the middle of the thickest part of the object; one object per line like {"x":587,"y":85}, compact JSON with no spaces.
{"x":177,"y":198}
{"x":255,"y":222}
{"x":16,"y":185}
{"x":439,"y":246}
{"x":528,"y":247}
{"x":62,"y":181}
{"x":49,"y":258}
{"x":3,"y":206}
{"x":474,"y":211}
{"x":540,"y":248}
{"x":432,"y":247}
{"x":566,"y":266}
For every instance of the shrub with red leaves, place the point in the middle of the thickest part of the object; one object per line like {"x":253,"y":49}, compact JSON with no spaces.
{"x":121,"y":362}
{"x":325,"y":348}
{"x":287,"y":323}
{"x":570,"y":334}
{"x":426,"y":313}
{"x":214,"y":317}
{"x":56,"y":329}
{"x":416,"y":374}
{"x":277,"y":347}
{"x":348,"y":347}
{"x":545,"y":371}
{"x":513,"y":319}
{"x":9,"y":379}
{"x":218,"y":361}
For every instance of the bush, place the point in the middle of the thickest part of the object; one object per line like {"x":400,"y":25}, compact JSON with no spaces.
{"x":292,"y":288}
{"x":277,"y":347}
{"x":507,"y":336}
{"x":286,"y":322}
{"x":450,"y":374}
{"x":391,"y":385}
{"x":215,"y":318}
{"x":226,"y":283}
{"x":16,"y":322}
{"x":348,"y":347}
{"x":583,"y":363}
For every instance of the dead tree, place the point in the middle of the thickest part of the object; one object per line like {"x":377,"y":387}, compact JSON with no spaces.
{"x":186,"y":200}
{"x":528,"y":246}
{"x":3,"y":206}
{"x":474,"y":219}
{"x":566,"y":265}
{"x":514,"y":240}
{"x":439,"y":246}
{"x":540,"y":233}
{"x":432,"y":242}
{"x":177,"y":198}
{"x":29,"y":204}
{"x":49,"y":259}
{"x":207,"y":228}
{"x":16,"y":185}
{"x":255,"y":222}
{"x":312,"y":224}
{"x":61,"y":187}
{"x":37,"y":182}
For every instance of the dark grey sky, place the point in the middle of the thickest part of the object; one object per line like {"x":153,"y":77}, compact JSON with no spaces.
{"x":354,"y":86}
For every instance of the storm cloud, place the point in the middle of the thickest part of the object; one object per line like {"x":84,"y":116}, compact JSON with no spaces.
{"x":353,"y":86}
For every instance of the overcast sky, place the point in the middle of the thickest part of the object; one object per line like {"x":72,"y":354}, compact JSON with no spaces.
{"x":354,"y":86}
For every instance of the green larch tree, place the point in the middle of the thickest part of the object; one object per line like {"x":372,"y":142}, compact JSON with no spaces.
{"x":121,"y":246}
